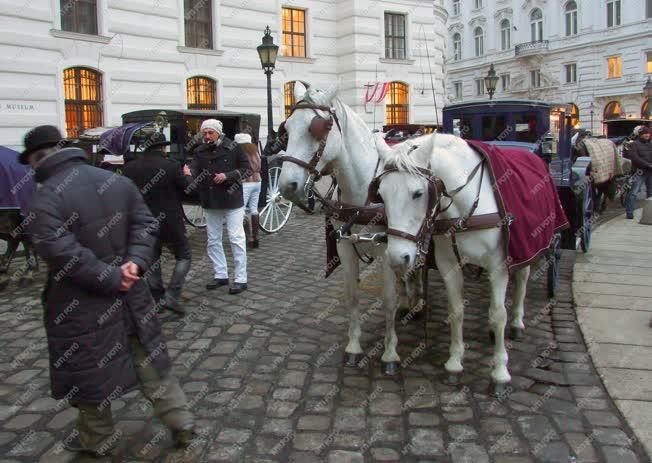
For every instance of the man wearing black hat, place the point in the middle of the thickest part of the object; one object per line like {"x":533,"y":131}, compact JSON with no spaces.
{"x":97,"y":236}
{"x":162,"y":184}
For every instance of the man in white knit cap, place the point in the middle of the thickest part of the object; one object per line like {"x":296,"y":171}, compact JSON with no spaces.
{"x":218,"y":167}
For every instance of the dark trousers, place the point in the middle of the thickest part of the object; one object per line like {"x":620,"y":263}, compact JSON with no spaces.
{"x":181,"y":251}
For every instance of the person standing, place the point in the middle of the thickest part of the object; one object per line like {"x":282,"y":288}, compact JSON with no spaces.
{"x":162,"y":185}
{"x":639,"y":151}
{"x":251,"y":187}
{"x":97,"y":236}
{"x":218,"y":167}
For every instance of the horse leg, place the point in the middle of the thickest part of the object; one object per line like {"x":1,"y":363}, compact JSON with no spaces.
{"x":30,"y":257}
{"x":12,"y":246}
{"x":390,"y":359}
{"x":520,"y":282}
{"x":351,"y":267}
{"x":497,"y":320}
{"x":410,"y":296}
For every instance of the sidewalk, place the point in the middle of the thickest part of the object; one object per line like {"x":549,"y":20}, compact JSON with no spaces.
{"x":613,"y":293}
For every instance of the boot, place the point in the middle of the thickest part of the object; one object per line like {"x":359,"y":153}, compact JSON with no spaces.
{"x":255,"y":227}
{"x":173,"y":291}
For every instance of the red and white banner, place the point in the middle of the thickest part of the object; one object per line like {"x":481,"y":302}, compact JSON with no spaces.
{"x":376,"y":93}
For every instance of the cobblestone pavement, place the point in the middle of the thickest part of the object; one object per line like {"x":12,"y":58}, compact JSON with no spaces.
{"x":263,"y":372}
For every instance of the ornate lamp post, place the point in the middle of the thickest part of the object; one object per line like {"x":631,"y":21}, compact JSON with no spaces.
{"x":647,"y":93}
{"x":491,"y":81}
{"x":268,"y":51}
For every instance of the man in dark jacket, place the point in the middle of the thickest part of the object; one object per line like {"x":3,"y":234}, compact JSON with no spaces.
{"x":218,"y":167}
{"x":640,"y":153}
{"x":97,"y":237}
{"x":162,"y":185}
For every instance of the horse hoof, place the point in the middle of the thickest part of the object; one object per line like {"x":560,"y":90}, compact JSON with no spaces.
{"x":352,"y":360}
{"x":515,"y":333}
{"x":454,"y":379}
{"x":390,"y":368}
{"x":498,"y":389}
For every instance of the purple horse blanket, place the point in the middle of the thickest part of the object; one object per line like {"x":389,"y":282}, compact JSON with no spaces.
{"x":526,"y":192}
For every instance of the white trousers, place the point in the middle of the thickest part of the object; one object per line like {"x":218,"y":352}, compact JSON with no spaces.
{"x":215,"y":219}
{"x":251,"y":192}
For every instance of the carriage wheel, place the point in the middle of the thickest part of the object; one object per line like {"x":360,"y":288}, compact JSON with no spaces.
{"x":194,"y":215}
{"x":554,"y":263}
{"x":277,"y":211}
{"x":587,"y":220}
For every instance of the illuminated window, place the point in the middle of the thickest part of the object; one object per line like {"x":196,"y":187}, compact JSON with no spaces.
{"x":479,"y":41}
{"x":79,"y":16}
{"x":398,"y":107}
{"x":201,"y":93}
{"x":571,"y":18}
{"x":395,"y":36}
{"x":649,"y":62}
{"x":613,"y":13}
{"x":536,"y":25}
{"x":571,"y":73}
{"x":198,"y":20}
{"x":294,"y":32}
{"x":457,"y":47}
{"x":613,"y":110}
{"x":575,"y":114}
{"x":289,"y":98}
{"x":645,"y":110}
{"x":505,"y":35}
{"x":615,"y":67}
{"x":83,"y":100}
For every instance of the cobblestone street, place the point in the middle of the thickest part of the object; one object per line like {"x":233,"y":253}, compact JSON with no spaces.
{"x":263,"y":371}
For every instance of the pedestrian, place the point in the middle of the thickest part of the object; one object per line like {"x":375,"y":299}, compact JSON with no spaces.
{"x":251,"y":188}
{"x":218,"y":167}
{"x":97,"y":236}
{"x":639,"y":151}
{"x":162,"y":185}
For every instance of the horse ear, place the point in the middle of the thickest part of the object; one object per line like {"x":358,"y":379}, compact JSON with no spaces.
{"x":423,"y":154}
{"x":300,"y":89}
{"x":329,"y":94}
{"x":382,"y":147}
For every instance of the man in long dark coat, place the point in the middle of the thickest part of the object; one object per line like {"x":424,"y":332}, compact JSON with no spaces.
{"x":97,"y":237}
{"x":162,"y":184}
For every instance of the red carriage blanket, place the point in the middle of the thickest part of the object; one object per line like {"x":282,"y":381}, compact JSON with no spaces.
{"x":526,"y":192}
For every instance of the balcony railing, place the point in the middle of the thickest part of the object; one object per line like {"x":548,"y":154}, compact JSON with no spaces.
{"x":531,"y":48}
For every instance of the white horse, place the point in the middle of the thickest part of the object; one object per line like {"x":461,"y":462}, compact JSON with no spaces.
{"x":351,"y":156}
{"x":405,"y":193}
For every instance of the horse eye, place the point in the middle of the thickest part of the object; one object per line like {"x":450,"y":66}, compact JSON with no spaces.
{"x":417,"y":194}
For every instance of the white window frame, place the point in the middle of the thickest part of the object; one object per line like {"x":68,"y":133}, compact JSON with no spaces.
{"x":572,"y":68}
{"x":535,"y":78}
{"x":478,"y":42}
{"x":480,"y":89}
{"x":536,"y":27}
{"x":506,"y":33}
{"x":102,"y":26}
{"x":505,"y":78}
{"x":615,"y":7}
{"x":408,"y":34}
{"x":217,"y":42}
{"x":457,"y":7}
{"x":647,"y":58}
{"x":574,"y":21}
{"x":405,"y":18}
{"x":621,"y":67}
{"x":457,"y":50}
{"x":458,"y":86}
{"x":477,"y":4}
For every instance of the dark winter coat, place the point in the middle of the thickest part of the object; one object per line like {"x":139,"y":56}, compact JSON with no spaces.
{"x":640,"y":153}
{"x":162,"y":184}
{"x":87,"y":222}
{"x":226,"y":158}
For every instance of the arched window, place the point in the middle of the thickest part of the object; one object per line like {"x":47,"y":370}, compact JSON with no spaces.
{"x":478,"y":35}
{"x":398,"y":107}
{"x":645,"y":109}
{"x":289,"y":97}
{"x":571,"y":18}
{"x":505,"y":35}
{"x":457,"y":46}
{"x":575,"y":115}
{"x":79,"y":16}
{"x":83,"y":100}
{"x":613,"y":110}
{"x":536,"y":25}
{"x":201,"y":93}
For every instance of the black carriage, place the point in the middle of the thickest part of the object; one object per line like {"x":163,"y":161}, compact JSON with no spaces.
{"x":544,"y":129}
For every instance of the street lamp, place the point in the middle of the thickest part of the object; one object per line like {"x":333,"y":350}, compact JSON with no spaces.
{"x":491,"y":81}
{"x":267,"y":51}
{"x":647,"y":93}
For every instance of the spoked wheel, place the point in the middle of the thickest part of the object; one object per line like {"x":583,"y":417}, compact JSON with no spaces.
{"x":278,"y":209}
{"x":587,"y":220}
{"x":554,"y":263}
{"x":194,"y":215}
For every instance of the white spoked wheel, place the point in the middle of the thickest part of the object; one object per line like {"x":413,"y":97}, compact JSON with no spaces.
{"x":278,"y":209}
{"x":194,"y":215}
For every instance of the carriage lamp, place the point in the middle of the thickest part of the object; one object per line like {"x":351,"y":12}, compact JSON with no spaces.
{"x":491,"y":81}
{"x":268,"y":51}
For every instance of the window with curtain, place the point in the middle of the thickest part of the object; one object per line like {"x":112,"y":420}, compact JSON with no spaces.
{"x":398,"y":107}
{"x":478,"y":35}
{"x":395,"y":36}
{"x":79,"y":16}
{"x":289,"y":97}
{"x":571,"y":73}
{"x":201,"y":93}
{"x":83,"y":100}
{"x":613,"y":110}
{"x":613,"y":13}
{"x":614,"y":67}
{"x":536,"y":25}
{"x":457,"y":47}
{"x":294,"y":33}
{"x":505,"y":35}
{"x":198,"y":23}
{"x":456,"y":7}
{"x":571,"y":18}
